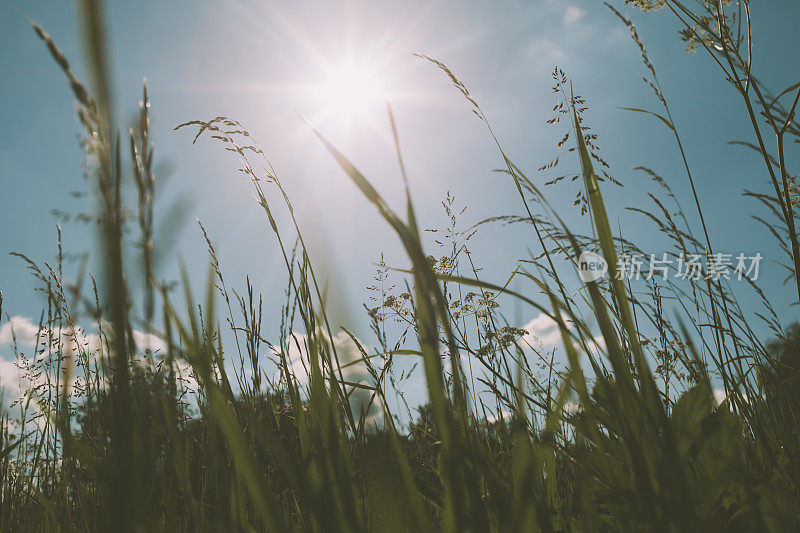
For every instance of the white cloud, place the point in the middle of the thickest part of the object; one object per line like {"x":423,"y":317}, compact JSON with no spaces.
{"x":546,"y":50}
{"x":17,"y":382}
{"x":504,"y":415}
{"x":348,"y":352}
{"x":542,"y":331}
{"x":346,"y":349}
{"x":148,"y":341}
{"x":10,"y":380}
{"x":21,"y":327}
{"x":14,"y":381}
{"x":573,"y":14}
{"x":27,"y":333}
{"x":720,"y":396}
{"x":598,"y":344}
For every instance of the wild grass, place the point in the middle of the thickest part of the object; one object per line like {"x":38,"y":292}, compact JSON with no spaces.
{"x":148,"y":420}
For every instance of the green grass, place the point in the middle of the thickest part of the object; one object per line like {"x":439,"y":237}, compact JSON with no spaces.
{"x":626,"y":434}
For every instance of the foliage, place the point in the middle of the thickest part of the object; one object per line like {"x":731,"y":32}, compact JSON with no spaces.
{"x":155,"y":422}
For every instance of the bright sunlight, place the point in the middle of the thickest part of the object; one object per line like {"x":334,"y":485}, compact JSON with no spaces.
{"x":352,"y":90}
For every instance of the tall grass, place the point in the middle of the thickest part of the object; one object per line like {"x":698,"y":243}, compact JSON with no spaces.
{"x":150,"y":422}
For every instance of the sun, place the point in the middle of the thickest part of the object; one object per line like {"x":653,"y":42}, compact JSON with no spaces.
{"x":351,"y":91}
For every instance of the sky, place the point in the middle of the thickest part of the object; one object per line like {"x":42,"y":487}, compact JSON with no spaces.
{"x":266,"y":63}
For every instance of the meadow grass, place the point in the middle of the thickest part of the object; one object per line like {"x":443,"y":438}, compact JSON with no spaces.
{"x":152,"y":423}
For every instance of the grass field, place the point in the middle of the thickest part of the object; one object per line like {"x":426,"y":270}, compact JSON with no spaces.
{"x":669,"y":408}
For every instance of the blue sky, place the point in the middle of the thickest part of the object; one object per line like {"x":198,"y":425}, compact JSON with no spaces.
{"x":263,"y":62}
